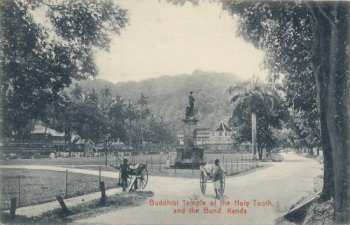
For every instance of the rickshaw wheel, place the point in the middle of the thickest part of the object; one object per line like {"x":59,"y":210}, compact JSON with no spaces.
{"x":142,"y":179}
{"x":222,"y":185}
{"x":203,"y":183}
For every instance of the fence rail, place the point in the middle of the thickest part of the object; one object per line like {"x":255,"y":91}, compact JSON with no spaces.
{"x":161,"y":164}
{"x":32,"y":187}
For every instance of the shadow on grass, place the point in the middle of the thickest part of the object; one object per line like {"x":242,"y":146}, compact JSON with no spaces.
{"x":82,"y":210}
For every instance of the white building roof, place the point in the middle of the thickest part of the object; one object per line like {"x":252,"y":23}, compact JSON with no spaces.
{"x":40,"y":129}
{"x":221,"y":126}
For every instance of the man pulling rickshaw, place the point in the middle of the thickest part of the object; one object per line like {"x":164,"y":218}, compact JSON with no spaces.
{"x":213,"y":173}
{"x":132,"y":176}
{"x":124,"y":173}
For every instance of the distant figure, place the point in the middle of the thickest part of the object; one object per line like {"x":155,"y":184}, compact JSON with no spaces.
{"x":190,"y":108}
{"x":124,"y":170}
{"x":217,"y":176}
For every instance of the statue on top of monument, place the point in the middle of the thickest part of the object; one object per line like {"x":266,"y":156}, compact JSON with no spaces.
{"x":190,"y":107}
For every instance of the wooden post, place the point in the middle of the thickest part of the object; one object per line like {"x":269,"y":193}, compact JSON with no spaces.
{"x":62,"y":204}
{"x":106,"y":158}
{"x":13,"y":207}
{"x":192,"y":166}
{"x":244,"y":165}
{"x":231,"y":165}
{"x":151,"y":160}
{"x":103,"y":193}
{"x":99,"y":174}
{"x":249,"y":163}
{"x":255,"y":161}
{"x":237,"y":164}
{"x":19,"y":189}
{"x":66,"y":183}
{"x":160,"y":163}
{"x":241,"y":162}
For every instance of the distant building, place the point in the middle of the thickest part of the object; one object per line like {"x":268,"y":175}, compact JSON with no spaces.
{"x":215,"y":138}
{"x":220,"y":134}
{"x":203,"y":136}
{"x":42,"y":135}
{"x":85,"y":146}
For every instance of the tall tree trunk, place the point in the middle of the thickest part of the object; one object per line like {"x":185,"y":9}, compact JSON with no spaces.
{"x":333,"y":45}
{"x":337,"y":111}
{"x":320,"y":65}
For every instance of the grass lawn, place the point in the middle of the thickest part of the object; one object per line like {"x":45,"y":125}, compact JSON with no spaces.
{"x":32,"y":187}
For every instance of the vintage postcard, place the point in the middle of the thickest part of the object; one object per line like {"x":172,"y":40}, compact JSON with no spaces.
{"x":174,"y":112}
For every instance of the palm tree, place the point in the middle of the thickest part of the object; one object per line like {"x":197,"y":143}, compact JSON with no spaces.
{"x":145,"y":111}
{"x":251,"y":95}
{"x":106,"y":99}
{"x":117,"y":114}
{"x":92,"y":97}
{"x":119,"y":105}
{"x":132,"y":115}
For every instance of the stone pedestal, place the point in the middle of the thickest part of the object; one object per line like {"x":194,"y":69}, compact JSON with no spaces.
{"x":190,"y":134}
{"x":190,"y":155}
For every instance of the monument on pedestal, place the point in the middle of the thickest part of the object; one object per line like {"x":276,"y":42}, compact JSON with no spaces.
{"x":190,"y":155}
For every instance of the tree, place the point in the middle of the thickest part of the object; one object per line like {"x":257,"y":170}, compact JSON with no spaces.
{"x":159,"y":131}
{"x":143,"y":101}
{"x":87,"y":121}
{"x":92,"y":98}
{"x":117,"y":119}
{"x":39,"y":61}
{"x":255,"y":103}
{"x":132,"y":114}
{"x":145,"y":112}
{"x":311,"y":38}
{"x":105,"y":100}
{"x":77,"y":93}
{"x":306,"y":128}
{"x":301,"y":99}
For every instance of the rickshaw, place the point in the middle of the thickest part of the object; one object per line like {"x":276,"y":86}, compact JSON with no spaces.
{"x":138,"y":176}
{"x":206,"y":176}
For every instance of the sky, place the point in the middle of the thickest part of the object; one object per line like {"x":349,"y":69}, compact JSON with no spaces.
{"x":164,"y":39}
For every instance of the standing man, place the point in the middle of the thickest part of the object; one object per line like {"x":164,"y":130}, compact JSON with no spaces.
{"x":217,"y":173}
{"x":191,"y":104}
{"x":124,"y":170}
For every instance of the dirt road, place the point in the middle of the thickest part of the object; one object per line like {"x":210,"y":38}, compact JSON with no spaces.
{"x":255,"y":198}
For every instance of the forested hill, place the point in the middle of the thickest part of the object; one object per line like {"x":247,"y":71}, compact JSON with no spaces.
{"x":168,"y":94}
